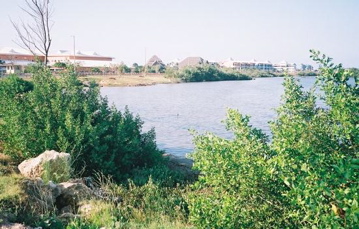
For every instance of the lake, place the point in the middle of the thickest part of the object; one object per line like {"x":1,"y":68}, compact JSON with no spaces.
{"x":174,"y":109}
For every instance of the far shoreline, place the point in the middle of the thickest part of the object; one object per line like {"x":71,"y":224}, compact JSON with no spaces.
{"x":134,"y":80}
{"x":128,"y":80}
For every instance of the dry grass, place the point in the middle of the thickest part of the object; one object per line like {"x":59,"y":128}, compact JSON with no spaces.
{"x":129,"y":80}
{"x":10,"y":186}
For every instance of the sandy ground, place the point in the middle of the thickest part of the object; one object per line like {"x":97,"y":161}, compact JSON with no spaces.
{"x":128,"y":80}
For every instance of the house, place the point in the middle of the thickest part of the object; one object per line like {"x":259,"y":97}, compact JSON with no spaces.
{"x":192,"y":62}
{"x":155,"y":61}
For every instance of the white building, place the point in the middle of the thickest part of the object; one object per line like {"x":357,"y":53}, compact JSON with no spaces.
{"x":244,"y":65}
{"x":284,"y":66}
{"x":83,"y":59}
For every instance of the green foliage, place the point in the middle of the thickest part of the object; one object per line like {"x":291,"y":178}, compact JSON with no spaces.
{"x":64,"y":115}
{"x":124,"y":69}
{"x":235,"y":189}
{"x":60,"y":65}
{"x":307,"y":73}
{"x":306,"y":177}
{"x":255,"y":73}
{"x":96,"y":70}
{"x":145,"y":206}
{"x":10,"y":192}
{"x":57,"y":171}
{"x":208,"y":73}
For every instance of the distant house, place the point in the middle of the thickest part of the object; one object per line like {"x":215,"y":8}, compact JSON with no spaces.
{"x":155,"y":61}
{"x":192,"y":62}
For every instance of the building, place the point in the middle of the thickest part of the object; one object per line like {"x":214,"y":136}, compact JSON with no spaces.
{"x":245,"y":65}
{"x":15,"y":60}
{"x":192,"y":62}
{"x":84,"y":61}
{"x":155,"y":61}
{"x":284,"y":66}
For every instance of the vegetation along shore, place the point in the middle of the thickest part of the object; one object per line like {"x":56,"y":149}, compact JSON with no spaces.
{"x":111,"y":174}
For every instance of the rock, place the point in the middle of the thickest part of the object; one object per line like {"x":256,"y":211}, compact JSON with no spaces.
{"x":58,"y":163}
{"x":72,"y":193}
{"x":55,"y":189}
{"x":39,"y":196}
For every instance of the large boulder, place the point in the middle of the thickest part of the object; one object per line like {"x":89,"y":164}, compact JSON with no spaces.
{"x":50,"y":165}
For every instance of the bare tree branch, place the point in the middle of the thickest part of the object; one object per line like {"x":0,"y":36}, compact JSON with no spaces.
{"x":35,"y":36}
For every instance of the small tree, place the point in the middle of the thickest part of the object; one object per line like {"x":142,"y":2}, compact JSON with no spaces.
{"x":60,"y":65}
{"x":36,"y":36}
{"x":124,"y":69}
{"x":95,"y":70}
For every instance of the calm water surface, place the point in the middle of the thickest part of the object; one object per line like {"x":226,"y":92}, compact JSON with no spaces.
{"x":173,"y":109}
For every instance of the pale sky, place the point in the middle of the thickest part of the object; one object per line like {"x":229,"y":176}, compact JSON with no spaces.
{"x":272,"y":30}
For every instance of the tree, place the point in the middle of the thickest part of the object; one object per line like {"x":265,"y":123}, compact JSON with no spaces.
{"x":60,"y":65}
{"x":124,"y":69}
{"x":96,"y":70}
{"x":35,"y":36}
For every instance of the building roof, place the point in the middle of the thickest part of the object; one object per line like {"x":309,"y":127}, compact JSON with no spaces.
{"x":154,"y":60}
{"x":191,"y":61}
{"x":14,"y":51}
{"x":77,"y":53}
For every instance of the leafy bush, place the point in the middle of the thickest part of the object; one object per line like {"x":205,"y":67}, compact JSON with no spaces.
{"x":307,"y":73}
{"x":57,"y":171}
{"x":235,"y":189}
{"x":255,"y":73}
{"x":208,"y":73}
{"x":306,"y":177}
{"x":64,"y":115}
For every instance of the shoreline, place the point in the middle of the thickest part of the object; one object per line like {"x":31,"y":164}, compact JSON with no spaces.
{"x":128,"y":80}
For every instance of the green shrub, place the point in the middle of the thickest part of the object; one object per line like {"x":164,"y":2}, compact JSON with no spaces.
{"x":306,"y":177}
{"x":208,"y":73}
{"x":57,"y":171}
{"x":64,"y":115}
{"x":235,"y":189}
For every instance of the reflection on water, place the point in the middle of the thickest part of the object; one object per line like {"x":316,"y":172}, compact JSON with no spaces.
{"x":173,"y":109}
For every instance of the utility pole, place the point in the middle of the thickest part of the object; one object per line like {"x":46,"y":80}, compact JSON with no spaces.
{"x":74,"y":49}
{"x":145,"y":66}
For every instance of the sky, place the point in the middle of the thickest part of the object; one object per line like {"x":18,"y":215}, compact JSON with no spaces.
{"x":133,"y":30}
